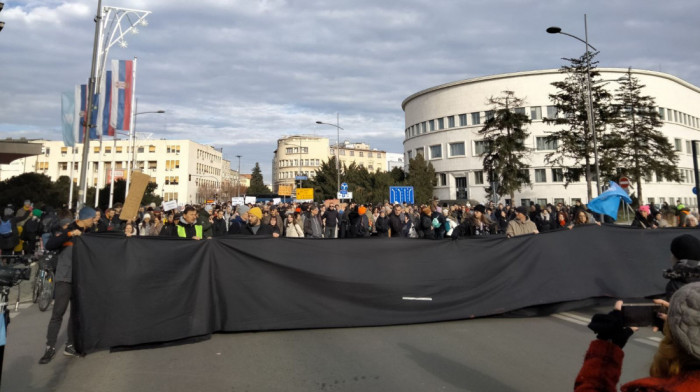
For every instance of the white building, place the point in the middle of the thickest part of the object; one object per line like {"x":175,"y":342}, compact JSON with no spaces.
{"x":179,"y":167}
{"x":442,"y":123}
{"x":393,"y":160}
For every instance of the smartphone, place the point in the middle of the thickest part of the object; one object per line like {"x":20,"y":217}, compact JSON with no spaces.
{"x":640,"y":314}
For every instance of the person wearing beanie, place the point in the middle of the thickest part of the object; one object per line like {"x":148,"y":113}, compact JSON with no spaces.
{"x":31,"y":230}
{"x":63,"y":291}
{"x":643,"y":219}
{"x":521,"y":225}
{"x":476,"y":224}
{"x":676,"y":364}
{"x":254,"y":226}
{"x":685,"y":260}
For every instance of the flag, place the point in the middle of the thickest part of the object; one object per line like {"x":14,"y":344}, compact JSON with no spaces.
{"x":68,"y":118}
{"x":83,"y":113}
{"x":3,"y":332}
{"x":122,"y":89}
{"x":105,"y":106}
{"x":608,"y":202}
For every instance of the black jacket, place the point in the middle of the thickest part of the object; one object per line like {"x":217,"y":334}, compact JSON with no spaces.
{"x":218,"y":227}
{"x":382,"y":226}
{"x":262,"y":230}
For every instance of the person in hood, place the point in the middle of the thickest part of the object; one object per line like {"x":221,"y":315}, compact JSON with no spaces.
{"x":685,"y":259}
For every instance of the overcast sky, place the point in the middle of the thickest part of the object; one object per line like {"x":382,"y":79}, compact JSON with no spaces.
{"x":239,"y":74}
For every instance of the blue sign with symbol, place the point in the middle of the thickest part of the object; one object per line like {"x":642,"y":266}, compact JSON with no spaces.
{"x":344,"y":188}
{"x":401,"y":194}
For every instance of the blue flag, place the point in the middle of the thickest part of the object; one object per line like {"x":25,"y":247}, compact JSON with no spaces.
{"x":3,"y":338}
{"x":609,"y":201}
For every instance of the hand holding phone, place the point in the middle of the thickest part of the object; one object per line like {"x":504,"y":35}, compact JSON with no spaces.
{"x":641,"y":314}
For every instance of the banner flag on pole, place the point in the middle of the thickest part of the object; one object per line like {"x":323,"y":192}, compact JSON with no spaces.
{"x":609,"y":201}
{"x":105,"y":106}
{"x":82,"y":98}
{"x":68,"y":118}
{"x":122,"y":90}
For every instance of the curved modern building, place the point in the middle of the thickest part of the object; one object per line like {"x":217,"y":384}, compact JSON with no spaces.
{"x":442,"y":123}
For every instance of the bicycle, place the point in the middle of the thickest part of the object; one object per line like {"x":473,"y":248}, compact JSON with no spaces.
{"x":42,"y":290}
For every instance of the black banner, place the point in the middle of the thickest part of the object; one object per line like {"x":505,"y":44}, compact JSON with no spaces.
{"x":131,"y":291}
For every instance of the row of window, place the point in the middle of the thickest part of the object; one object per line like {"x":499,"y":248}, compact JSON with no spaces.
{"x":361,"y":154}
{"x":287,"y":175}
{"x":295,"y":162}
{"x":201,"y":154}
{"x":168,"y":196}
{"x":535,"y":113}
{"x":295,"y":150}
{"x":206,"y":169}
{"x":458,"y":149}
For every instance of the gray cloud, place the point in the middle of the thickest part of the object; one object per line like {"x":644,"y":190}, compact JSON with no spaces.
{"x":239,"y":74}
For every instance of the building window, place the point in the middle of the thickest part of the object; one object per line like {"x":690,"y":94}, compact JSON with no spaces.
{"x":342,"y":152}
{"x":362,"y":154}
{"x":489,"y":115}
{"x":64,"y":150}
{"x":479,"y":177}
{"x":476,"y":118}
{"x":152,"y":164}
{"x":519,"y":111}
{"x":662,"y":113}
{"x":457,"y":149}
{"x":379,"y":155}
{"x":542,"y":202}
{"x":289,"y":150}
{"x":352,"y":153}
{"x":96,"y":149}
{"x":543,"y":144}
{"x":120,"y":149}
{"x":536,"y":113}
{"x":679,"y":145}
{"x":140,"y":150}
{"x":688,"y":147}
{"x":431,"y":125}
{"x":442,"y":179}
{"x":420,"y":151}
{"x":441,"y":123}
{"x":436,"y":151}
{"x":409,"y":154}
{"x":557,"y":175}
{"x":479,"y":147}
{"x":540,"y":175}
{"x":451,"y":122}
{"x":63,"y":165}
{"x":108,"y":150}
{"x":369,"y":154}
{"x":551,"y":112}
{"x":462,"y":120}
{"x":422,"y":127}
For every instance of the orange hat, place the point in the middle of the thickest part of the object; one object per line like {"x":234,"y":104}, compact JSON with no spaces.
{"x":427,"y":211}
{"x":362,"y":210}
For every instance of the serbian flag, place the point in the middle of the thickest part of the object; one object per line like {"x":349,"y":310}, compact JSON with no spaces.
{"x":105,"y":106}
{"x":82,"y":98}
{"x":122,"y":90}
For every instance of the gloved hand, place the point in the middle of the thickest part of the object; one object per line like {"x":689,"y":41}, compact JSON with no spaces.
{"x":609,"y":327}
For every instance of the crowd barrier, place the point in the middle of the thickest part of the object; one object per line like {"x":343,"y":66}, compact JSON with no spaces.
{"x":132,"y":291}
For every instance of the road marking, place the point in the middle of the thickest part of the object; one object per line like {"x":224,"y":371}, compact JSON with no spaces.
{"x":417,"y":298}
{"x":572,"y":318}
{"x":648,"y":341}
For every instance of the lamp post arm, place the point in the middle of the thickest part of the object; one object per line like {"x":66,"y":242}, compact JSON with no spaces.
{"x":583,"y":41}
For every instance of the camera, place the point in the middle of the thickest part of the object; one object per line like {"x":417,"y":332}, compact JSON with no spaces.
{"x":11,"y":276}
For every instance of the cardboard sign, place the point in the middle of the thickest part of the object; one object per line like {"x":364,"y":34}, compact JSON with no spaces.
{"x":170,"y":205}
{"x":139,"y":182}
{"x":237,"y":201}
{"x":250,"y":199}
{"x":284,"y":190}
{"x":277,"y":200}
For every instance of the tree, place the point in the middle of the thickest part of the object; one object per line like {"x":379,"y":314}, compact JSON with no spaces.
{"x":574,"y":143}
{"x":638,"y":145}
{"x":421,"y":175}
{"x":257,"y":186}
{"x":149,"y":195}
{"x":325,"y":181}
{"x":504,"y":145}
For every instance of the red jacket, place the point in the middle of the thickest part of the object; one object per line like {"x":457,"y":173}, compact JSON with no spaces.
{"x":601,"y":373}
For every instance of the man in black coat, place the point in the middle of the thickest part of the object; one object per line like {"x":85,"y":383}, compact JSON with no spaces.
{"x":255,"y":225}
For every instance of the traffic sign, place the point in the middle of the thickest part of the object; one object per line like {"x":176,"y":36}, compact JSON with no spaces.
{"x":344,"y":188}
{"x":303,"y":178}
{"x":695,"y":190}
{"x":401,"y":194}
{"x":343,"y":196}
{"x":624,"y":182}
{"x":305,"y":194}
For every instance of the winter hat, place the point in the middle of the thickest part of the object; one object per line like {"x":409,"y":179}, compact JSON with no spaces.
{"x":256,"y":212}
{"x":37,"y":212}
{"x":644,"y":208}
{"x":521,"y":210}
{"x":685,"y":247}
{"x":243,"y":209}
{"x":146,"y":216}
{"x":684,"y":318}
{"x":427,"y":211}
{"x":480,"y":208}
{"x":86,"y":213}
{"x":8,"y":211}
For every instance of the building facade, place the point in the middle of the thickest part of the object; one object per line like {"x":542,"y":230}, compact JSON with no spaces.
{"x":302,"y":155}
{"x":181,"y":168}
{"x":443,"y":122}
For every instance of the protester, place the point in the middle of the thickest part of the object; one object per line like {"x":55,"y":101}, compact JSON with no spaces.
{"x":9,"y":233}
{"x":381,"y":224}
{"x":291,"y":226}
{"x":675,"y":364}
{"x":63,"y":291}
{"x":147,"y":226}
{"x":330,"y":221}
{"x":521,"y":225}
{"x":477,"y":224}
{"x":218,"y":225}
{"x":685,"y":260}
{"x":641,"y":218}
{"x":187,"y":226}
{"x":254,"y":226}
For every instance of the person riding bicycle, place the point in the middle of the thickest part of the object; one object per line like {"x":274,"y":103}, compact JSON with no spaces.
{"x":63,"y":288}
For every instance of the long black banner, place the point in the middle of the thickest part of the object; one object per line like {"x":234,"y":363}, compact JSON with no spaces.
{"x":131,"y":291}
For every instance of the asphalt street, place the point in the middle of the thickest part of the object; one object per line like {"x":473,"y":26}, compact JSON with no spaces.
{"x":489,"y":354}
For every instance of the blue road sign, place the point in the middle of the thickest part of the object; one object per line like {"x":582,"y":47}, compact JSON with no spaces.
{"x":344,"y":188}
{"x":695,"y":190}
{"x":401,"y":194}
{"x":301,"y":178}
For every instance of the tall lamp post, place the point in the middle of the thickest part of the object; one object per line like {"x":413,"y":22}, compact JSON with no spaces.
{"x":132,"y":143}
{"x":591,"y":117}
{"x":238,"y":178}
{"x":337,"y":146}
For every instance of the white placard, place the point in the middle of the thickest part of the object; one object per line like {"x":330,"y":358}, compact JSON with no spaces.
{"x":343,"y":196}
{"x":237,"y":201}
{"x":277,"y":200}
{"x":170,"y":205}
{"x":250,"y":199}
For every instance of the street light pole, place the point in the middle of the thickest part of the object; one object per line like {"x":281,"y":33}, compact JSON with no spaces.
{"x":591,"y":115}
{"x":238,"y":190}
{"x":337,"y":146}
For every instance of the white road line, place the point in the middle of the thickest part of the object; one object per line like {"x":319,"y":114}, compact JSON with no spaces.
{"x":654,"y":338}
{"x":577,"y":317}
{"x":648,"y":341}
{"x":575,"y":320}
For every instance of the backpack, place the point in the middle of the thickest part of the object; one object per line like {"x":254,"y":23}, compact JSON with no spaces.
{"x":31,"y":229}
{"x":6,"y":227}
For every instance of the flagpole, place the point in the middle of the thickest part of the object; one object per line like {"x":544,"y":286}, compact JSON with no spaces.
{"x":111,"y":185}
{"x":72,"y":165}
{"x":133,"y":130}
{"x":98,"y":175}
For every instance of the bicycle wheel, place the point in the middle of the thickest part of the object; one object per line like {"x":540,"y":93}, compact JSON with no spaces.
{"x":46,"y":294}
{"x":38,"y":283}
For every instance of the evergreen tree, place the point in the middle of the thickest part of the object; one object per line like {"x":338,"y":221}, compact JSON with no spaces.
{"x":574,"y":142}
{"x":504,"y":145}
{"x":639,"y":148}
{"x":421,"y":175}
{"x":325,"y":181}
{"x":257,"y":186}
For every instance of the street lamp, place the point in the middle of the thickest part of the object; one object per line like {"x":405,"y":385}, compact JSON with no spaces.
{"x":337,"y":145}
{"x":238,"y":190}
{"x":591,"y":118}
{"x":132,"y":143}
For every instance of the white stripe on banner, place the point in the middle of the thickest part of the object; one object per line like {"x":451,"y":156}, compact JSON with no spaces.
{"x":417,"y":298}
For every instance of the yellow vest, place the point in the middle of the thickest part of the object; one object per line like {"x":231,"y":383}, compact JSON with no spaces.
{"x":181,"y":231}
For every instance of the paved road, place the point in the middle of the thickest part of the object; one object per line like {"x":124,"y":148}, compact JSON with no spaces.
{"x":491,"y":354}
